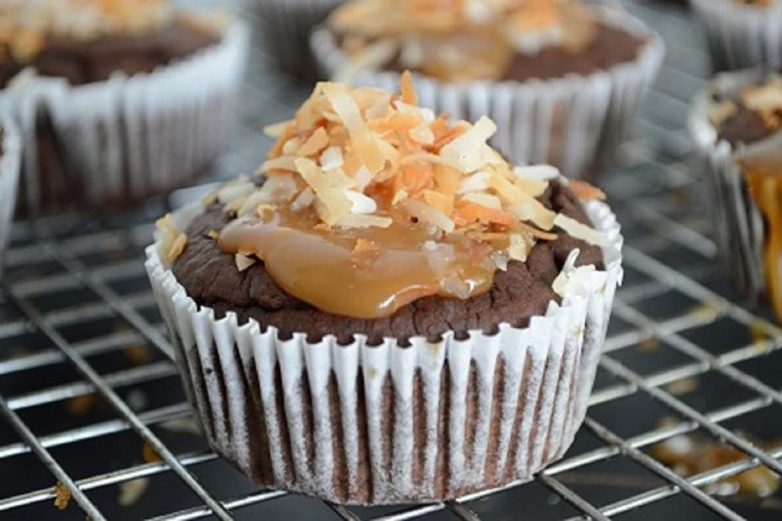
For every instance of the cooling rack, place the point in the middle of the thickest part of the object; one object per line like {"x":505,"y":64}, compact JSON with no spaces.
{"x":93,"y":420}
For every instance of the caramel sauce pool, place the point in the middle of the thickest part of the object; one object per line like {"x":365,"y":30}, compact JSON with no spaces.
{"x":362,"y":273}
{"x":764,"y":176}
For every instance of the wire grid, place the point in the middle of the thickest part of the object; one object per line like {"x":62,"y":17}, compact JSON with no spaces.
{"x":90,"y":401}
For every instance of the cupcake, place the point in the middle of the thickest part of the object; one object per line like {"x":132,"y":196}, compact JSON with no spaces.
{"x":285,"y":27}
{"x":561,"y":79}
{"x":742,"y":33}
{"x":10,"y":157}
{"x":737,"y":125}
{"x":396,"y":314}
{"x":116,"y":101}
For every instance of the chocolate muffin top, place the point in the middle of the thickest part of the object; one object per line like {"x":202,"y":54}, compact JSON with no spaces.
{"x":379,"y":218}
{"x":753,"y":114}
{"x":85,"y":41}
{"x":461,"y":40}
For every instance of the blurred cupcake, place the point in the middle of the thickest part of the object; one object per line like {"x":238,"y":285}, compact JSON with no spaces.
{"x":10,"y":159}
{"x":396,"y":314}
{"x":116,"y":101}
{"x":737,"y":125}
{"x":742,"y":33}
{"x":562,"y":79}
{"x":285,"y":28}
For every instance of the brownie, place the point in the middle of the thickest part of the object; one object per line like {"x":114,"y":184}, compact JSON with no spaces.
{"x":610,"y":47}
{"x":89,"y":61}
{"x":744,"y":126}
{"x":210,"y":277}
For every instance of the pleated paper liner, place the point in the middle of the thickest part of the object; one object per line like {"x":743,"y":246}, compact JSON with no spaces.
{"x":384,"y":424}
{"x":576,"y":122}
{"x":738,"y":223}
{"x":10,"y":160}
{"x":128,"y":138}
{"x":741,"y":36}
{"x":284,"y":26}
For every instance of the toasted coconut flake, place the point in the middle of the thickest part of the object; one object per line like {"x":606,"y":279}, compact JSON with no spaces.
{"x":426,"y":214}
{"x":277,"y":130}
{"x":235,"y":190}
{"x":291,"y":147}
{"x":475,"y":183}
{"x":331,"y":158}
{"x":439,"y":201}
{"x":579,"y":230}
{"x":365,"y":252}
{"x":536,"y":172}
{"x":468,"y":151}
{"x":484,"y":199}
{"x":213,"y":234}
{"x":243,"y":262}
{"x":172,"y":241}
{"x":399,"y":196}
{"x":287,"y":163}
{"x":361,"y":203}
{"x":266,"y":212}
{"x":409,"y":95}
{"x":519,"y":247}
{"x":318,"y":141}
{"x":586,"y":192}
{"x":346,"y":109}
{"x":303,"y":200}
{"x":422,"y":134}
{"x":329,"y":189}
{"x":364,"y":221}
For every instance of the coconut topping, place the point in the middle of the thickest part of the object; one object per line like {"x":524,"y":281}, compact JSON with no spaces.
{"x":369,"y":195}
{"x":26,"y":25}
{"x":457,"y":40}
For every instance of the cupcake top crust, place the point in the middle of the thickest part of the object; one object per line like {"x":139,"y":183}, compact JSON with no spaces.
{"x":466,"y":40}
{"x":87,"y":40}
{"x":751,"y":115}
{"x":371,"y":204}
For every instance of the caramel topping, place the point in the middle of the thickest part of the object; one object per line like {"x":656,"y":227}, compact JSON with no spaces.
{"x":458,"y":40}
{"x":764,"y":176}
{"x":372,"y":202}
{"x":26,"y":25}
{"x":349,"y":274}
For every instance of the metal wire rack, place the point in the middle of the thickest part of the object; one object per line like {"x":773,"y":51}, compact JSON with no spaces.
{"x":92,"y":408}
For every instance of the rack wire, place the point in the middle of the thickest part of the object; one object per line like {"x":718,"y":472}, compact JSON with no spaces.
{"x":92,"y":409}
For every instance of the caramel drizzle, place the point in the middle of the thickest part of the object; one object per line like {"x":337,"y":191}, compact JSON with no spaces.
{"x":766,"y":191}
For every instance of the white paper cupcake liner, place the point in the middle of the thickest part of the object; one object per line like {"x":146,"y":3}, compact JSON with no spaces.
{"x":127,"y":138}
{"x":386,"y":424}
{"x":741,"y":36}
{"x":10,"y":161}
{"x":285,"y":27}
{"x":738,"y":222}
{"x":575,"y":122}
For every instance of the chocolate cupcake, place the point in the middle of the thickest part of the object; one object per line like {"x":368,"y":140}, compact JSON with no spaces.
{"x":562,"y":79}
{"x":285,"y":27}
{"x":10,"y":158}
{"x":742,"y":33}
{"x":737,"y":125}
{"x":116,"y":101}
{"x":395,"y":314}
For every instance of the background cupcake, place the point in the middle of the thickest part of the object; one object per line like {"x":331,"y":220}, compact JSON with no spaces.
{"x":10,"y":159}
{"x":562,"y":79}
{"x":116,"y":101}
{"x":285,"y":27}
{"x":736,"y":125}
{"x":399,"y":315}
{"x":742,"y":33}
